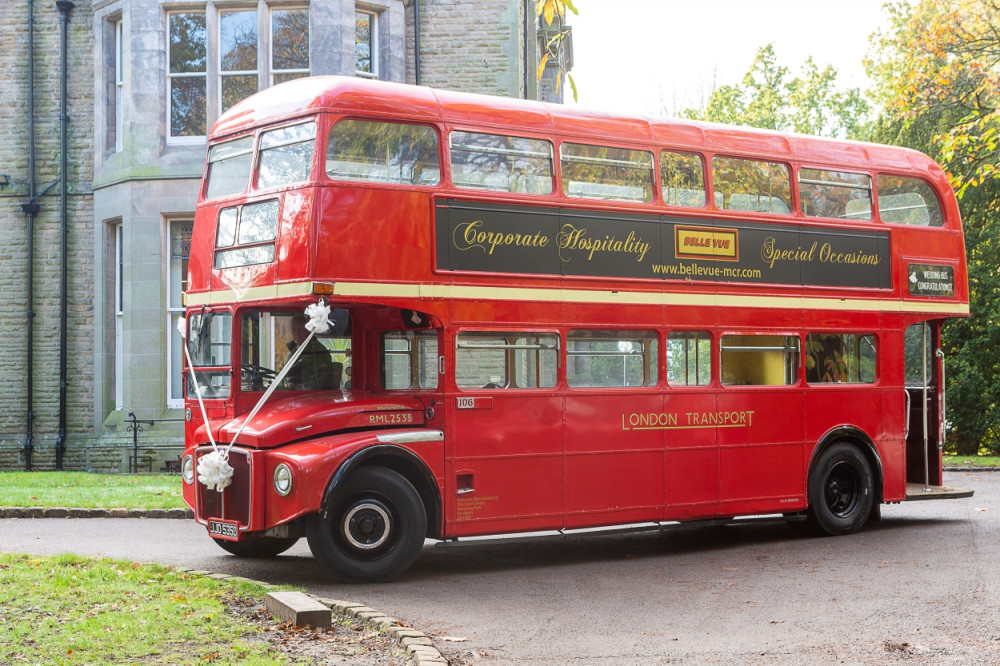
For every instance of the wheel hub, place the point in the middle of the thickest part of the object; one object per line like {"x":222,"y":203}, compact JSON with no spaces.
{"x":367,"y":525}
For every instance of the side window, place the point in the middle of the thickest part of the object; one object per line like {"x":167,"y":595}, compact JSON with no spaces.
{"x":848,"y":358}
{"x":501,"y":163}
{"x":683,"y":177}
{"x":611,"y":358}
{"x":689,"y":358}
{"x":250,"y":230}
{"x":383,"y":152}
{"x":751,"y":185}
{"x":760,"y":360}
{"x":600,"y":172}
{"x":918,"y":354}
{"x":409,"y":360}
{"x":506,"y":360}
{"x":286,"y":155}
{"x":229,"y":167}
{"x":908,"y":201}
{"x":838,"y":194}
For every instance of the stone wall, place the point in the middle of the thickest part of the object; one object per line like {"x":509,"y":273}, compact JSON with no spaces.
{"x":14,"y":162}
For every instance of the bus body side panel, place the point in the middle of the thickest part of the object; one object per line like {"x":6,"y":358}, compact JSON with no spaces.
{"x":504,"y":462}
{"x":692,"y":456}
{"x":614,"y":457}
{"x":760,"y":449}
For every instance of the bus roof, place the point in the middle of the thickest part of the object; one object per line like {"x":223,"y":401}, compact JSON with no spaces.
{"x":363,"y":97}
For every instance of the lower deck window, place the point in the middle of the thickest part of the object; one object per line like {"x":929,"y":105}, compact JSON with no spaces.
{"x":610,"y":358}
{"x":506,"y":360}
{"x":409,"y":360}
{"x":760,"y":360}
{"x":689,"y":358}
{"x":848,"y":358}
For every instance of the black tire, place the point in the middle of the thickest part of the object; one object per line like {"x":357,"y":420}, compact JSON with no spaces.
{"x":373,"y":528}
{"x":257,"y":547}
{"x":841,"y":491}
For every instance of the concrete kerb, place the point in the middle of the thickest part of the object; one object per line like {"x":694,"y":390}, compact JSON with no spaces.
{"x":416,"y":643}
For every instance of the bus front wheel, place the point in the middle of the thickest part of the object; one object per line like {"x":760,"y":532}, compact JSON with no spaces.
{"x":841,"y":491}
{"x":373,"y":529}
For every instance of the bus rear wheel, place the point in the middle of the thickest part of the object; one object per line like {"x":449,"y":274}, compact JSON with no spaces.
{"x":256,"y":547}
{"x":373,"y":529}
{"x":841,"y":491}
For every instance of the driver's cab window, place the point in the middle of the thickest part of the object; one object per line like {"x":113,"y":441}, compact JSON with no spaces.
{"x":269,"y":341}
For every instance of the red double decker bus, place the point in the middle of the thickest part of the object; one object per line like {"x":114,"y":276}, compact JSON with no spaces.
{"x":542,"y":318}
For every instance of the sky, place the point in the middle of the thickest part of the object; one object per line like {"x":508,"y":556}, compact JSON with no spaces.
{"x":658,"y":57}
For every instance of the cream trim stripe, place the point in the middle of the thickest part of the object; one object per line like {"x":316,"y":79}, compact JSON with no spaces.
{"x":462,"y":292}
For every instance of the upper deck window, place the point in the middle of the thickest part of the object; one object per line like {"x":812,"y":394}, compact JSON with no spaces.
{"x":751,"y":185}
{"x":229,"y":166}
{"x":838,"y":194}
{"x":250,"y":231}
{"x":499,"y":162}
{"x":683,"y":176}
{"x":600,"y":172}
{"x":908,"y":201}
{"x":383,"y":152}
{"x":286,"y":155}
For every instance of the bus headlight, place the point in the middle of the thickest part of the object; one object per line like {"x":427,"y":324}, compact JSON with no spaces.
{"x":282,"y":479}
{"x":187,"y":469}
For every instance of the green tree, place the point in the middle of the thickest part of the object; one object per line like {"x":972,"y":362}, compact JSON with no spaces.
{"x":769,"y":98}
{"x":937,"y":75}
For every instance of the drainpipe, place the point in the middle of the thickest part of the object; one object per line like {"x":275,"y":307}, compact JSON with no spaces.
{"x":416,"y":42}
{"x":31,"y":209}
{"x":527,"y":49}
{"x":64,"y":7}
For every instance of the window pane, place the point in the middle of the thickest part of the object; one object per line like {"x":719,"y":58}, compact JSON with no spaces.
{"x":290,"y":39}
{"x":840,"y":358}
{"x":286,"y":155}
{"x":501,"y":361}
{"x":760,"y":360}
{"x":187,"y":42}
{"x":683,"y":176}
{"x":498,"y":162}
{"x":229,"y":167}
{"x":187,"y":106}
{"x":226,"y":235}
{"x":383,"y":152}
{"x":908,"y":201}
{"x":180,"y":249}
{"x":405,"y":353}
{"x":689,"y":358}
{"x":236,"y":88}
{"x":600,"y":172}
{"x":209,"y":338}
{"x":258,"y":222}
{"x":238,"y":41}
{"x":611,"y":358}
{"x":918,"y":354}
{"x":835,"y":194}
{"x":751,"y":185}
{"x":363,"y":43}
{"x":245,"y":256}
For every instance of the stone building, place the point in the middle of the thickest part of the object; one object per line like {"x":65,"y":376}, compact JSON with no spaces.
{"x":143,"y":81}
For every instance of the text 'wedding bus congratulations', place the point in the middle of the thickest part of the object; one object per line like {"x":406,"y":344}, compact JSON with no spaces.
{"x":416,"y":314}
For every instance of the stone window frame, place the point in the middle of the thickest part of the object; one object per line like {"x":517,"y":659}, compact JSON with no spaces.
{"x":213,"y":67}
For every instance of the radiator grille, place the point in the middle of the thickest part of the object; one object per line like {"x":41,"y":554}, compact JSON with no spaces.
{"x":233,"y":503}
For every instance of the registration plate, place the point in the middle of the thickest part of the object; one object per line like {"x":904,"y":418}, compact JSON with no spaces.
{"x":224,"y":529}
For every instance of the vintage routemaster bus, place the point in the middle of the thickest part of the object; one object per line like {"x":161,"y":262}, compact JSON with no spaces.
{"x":542,"y":318}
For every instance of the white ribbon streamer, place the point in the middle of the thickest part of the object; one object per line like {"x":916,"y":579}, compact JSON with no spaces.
{"x":213,"y":469}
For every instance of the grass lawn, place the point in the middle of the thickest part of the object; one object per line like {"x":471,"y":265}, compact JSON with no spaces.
{"x":82,"y":490}
{"x":72,"y":610}
{"x":972,"y":461}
